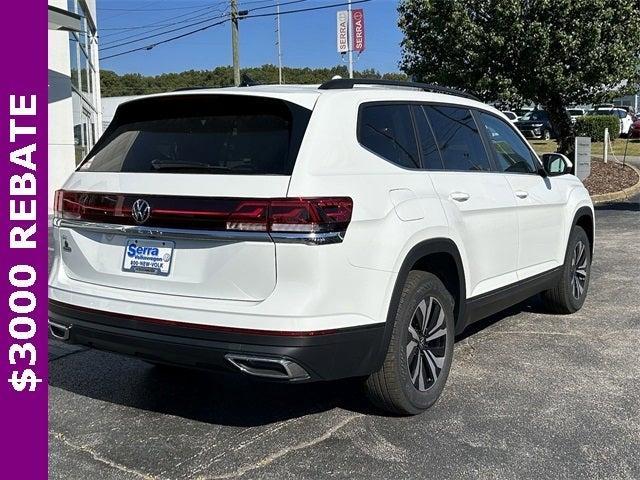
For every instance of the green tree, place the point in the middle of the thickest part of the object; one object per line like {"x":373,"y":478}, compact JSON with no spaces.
{"x":113,"y":85}
{"x":552,"y":52}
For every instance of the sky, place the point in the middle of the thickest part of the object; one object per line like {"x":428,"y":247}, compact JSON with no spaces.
{"x":308,"y":38}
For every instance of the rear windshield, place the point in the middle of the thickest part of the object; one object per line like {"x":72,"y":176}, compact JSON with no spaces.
{"x":211,"y":134}
{"x":536,"y":115}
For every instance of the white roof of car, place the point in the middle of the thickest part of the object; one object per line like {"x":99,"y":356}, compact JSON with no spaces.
{"x":307,"y":95}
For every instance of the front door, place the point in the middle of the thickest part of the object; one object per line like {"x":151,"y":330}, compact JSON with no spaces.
{"x":540,"y":200}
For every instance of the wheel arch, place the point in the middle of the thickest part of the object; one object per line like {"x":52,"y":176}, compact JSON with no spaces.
{"x":437,"y":256}
{"x":584,"y":218}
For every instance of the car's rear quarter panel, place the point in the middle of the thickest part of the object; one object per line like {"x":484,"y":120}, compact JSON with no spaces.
{"x":332,"y":162}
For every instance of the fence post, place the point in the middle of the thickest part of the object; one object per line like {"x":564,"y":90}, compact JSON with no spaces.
{"x":606,"y":145}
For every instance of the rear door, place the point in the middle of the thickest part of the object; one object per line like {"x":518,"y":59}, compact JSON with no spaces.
{"x":479,"y":203}
{"x":540,"y":200}
{"x":172,"y":198}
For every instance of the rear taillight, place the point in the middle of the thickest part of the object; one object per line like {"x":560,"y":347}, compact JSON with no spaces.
{"x":310,"y":215}
{"x":277,"y":215}
{"x":292,"y":215}
{"x":249,"y":216}
{"x":57,"y":202}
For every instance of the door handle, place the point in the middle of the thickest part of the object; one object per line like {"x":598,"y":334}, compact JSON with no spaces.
{"x":521,"y":194}
{"x":459,"y":196}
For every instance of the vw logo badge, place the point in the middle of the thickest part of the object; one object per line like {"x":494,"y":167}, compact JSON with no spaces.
{"x":141,"y":211}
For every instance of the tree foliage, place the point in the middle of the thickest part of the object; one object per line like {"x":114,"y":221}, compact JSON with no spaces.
{"x":551,"y":52}
{"x":112,"y":84}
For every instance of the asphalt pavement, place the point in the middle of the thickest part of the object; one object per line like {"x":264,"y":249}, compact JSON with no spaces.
{"x":530,"y":395}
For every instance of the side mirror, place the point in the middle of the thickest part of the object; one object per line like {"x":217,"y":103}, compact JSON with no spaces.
{"x":556,"y":164}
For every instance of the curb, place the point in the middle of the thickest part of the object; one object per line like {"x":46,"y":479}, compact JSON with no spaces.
{"x":620,"y":194}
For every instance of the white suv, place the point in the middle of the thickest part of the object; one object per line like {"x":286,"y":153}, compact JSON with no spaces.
{"x":313,"y":233}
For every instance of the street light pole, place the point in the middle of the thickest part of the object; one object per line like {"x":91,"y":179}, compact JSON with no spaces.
{"x":234,"y":42}
{"x":278,"y":42}
{"x":349,"y":40}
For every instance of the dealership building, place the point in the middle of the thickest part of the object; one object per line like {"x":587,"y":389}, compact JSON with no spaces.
{"x":75,"y":113}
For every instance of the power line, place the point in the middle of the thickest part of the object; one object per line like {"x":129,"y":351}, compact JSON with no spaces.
{"x":242,"y":4}
{"x":206,"y":27}
{"x":111,"y":46}
{"x":159,"y":22}
{"x":273,"y":6}
{"x":123,"y":30}
{"x":149,"y":47}
{"x":138,"y":37}
{"x":150,"y":9}
{"x":161,"y":33}
{"x":305,"y":9}
{"x":147,"y":4}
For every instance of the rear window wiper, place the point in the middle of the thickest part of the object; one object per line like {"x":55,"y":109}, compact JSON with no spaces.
{"x":163,"y":165}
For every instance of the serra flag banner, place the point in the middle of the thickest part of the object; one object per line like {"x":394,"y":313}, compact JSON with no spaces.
{"x":342,"y":31}
{"x":357,"y":22}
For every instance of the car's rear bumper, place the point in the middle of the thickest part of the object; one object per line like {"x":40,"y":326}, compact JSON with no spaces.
{"x":322,"y":355}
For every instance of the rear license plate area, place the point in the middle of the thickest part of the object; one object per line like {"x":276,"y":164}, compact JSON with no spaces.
{"x":153,"y":257}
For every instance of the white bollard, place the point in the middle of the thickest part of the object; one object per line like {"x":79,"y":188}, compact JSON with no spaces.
{"x":606,"y":145}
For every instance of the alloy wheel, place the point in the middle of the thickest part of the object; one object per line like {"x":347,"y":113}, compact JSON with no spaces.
{"x":426,"y":343}
{"x":579,"y":263}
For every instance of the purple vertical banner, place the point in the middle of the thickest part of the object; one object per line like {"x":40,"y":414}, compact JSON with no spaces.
{"x":23,"y":230}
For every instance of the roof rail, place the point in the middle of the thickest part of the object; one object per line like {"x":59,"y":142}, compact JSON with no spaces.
{"x":345,"y":83}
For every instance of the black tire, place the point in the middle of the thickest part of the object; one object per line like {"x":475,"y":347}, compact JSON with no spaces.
{"x":546,"y":135}
{"x":568,"y":296}
{"x":392,"y":387}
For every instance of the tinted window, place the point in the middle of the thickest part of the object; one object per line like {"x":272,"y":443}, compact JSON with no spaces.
{"x":212,"y":134}
{"x":388,"y":131}
{"x":430,"y":155}
{"x":512,"y":154}
{"x":536,"y":116}
{"x":458,"y":138}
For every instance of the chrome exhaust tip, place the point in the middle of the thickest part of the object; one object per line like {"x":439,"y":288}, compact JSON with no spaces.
{"x":266,"y":367}
{"x":58,"y":331}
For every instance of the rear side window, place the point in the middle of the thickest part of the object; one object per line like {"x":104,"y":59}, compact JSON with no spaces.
{"x":458,"y":138}
{"x":387,"y":130}
{"x":215,"y":134}
{"x":430,"y":155}
{"x":512,"y":154}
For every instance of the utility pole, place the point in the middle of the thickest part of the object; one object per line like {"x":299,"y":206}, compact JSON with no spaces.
{"x":234,"y":42}
{"x":278,"y":42}
{"x":349,"y":40}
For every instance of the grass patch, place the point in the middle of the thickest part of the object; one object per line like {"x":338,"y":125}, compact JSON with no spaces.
{"x":597,"y":148}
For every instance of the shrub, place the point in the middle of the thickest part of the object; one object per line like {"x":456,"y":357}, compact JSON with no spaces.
{"x":593,"y":126}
